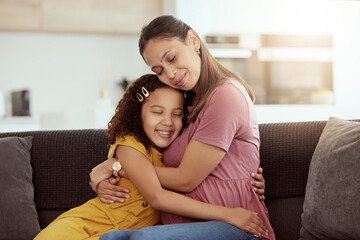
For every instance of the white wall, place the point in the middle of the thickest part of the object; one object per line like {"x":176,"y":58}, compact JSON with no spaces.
{"x":64,"y":71}
{"x":347,"y":53}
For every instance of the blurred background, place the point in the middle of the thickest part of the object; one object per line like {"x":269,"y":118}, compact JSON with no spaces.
{"x":65,"y":64}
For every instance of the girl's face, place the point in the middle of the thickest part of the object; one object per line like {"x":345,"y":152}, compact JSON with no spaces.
{"x":162,"y":115}
{"x":176,"y":63}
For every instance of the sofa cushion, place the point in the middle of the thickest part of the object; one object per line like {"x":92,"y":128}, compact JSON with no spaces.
{"x":19,"y":219}
{"x":332,"y":199}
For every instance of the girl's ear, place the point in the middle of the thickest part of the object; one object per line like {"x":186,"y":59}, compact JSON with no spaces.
{"x":193,"y":39}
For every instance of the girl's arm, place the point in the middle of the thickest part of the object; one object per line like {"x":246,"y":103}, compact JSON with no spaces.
{"x":141,"y":173}
{"x":105,"y":186}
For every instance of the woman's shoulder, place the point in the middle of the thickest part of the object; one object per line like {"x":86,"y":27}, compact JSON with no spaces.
{"x":230,"y":89}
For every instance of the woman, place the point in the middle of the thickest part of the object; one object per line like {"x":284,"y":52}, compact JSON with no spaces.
{"x":212,"y":159}
{"x":157,"y":112}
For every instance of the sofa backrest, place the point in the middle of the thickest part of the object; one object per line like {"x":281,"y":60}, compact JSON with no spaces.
{"x":61,"y":162}
{"x":285,"y":153}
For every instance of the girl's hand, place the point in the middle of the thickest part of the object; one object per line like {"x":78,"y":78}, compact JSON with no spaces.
{"x":247,"y":221}
{"x":259,"y":183}
{"x":109,"y":192}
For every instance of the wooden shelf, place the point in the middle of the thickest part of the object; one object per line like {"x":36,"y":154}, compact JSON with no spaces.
{"x":80,"y":16}
{"x":20,"y":15}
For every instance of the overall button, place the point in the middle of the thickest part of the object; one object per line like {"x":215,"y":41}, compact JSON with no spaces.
{"x":144,"y":204}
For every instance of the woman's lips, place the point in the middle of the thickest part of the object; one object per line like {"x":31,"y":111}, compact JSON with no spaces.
{"x":180,"y":82}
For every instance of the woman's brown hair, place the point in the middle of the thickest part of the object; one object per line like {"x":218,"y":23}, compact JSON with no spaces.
{"x":127,"y":118}
{"x":212,"y":73}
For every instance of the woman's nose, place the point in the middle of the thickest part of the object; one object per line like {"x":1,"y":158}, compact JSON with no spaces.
{"x":171,"y":72}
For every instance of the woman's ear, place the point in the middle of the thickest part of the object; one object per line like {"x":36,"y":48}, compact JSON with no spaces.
{"x":193,"y":39}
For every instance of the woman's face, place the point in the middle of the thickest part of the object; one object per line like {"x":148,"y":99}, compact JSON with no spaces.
{"x":162,"y":115}
{"x":176,"y":63}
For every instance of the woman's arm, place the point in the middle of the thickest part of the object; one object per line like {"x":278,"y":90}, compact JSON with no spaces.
{"x":142,"y":174}
{"x":228,"y":115}
{"x":198,"y":162}
{"x":104,"y":184}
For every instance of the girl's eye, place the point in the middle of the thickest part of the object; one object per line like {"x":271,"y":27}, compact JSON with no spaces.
{"x":157,"y":112}
{"x":173,"y":58}
{"x":178,"y":114}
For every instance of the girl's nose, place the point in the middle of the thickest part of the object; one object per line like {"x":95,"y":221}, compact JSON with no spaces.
{"x":167,"y":120}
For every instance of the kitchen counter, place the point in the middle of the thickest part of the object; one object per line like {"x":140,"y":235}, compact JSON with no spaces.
{"x":270,"y":113}
{"x":19,"y":124}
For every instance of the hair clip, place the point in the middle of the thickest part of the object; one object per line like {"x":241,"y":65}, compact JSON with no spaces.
{"x":144,"y":92}
{"x":139,"y":97}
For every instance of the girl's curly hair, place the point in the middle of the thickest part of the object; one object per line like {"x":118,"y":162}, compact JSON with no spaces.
{"x":127,"y":118}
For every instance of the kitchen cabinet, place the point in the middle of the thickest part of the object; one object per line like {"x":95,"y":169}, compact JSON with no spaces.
{"x":20,"y":15}
{"x":99,"y":16}
{"x":81,"y":16}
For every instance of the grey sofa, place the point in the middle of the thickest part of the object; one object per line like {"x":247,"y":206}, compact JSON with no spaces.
{"x":62,"y":161}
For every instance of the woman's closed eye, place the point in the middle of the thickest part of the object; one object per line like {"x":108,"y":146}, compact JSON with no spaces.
{"x":158,"y":72}
{"x":172,"y":59}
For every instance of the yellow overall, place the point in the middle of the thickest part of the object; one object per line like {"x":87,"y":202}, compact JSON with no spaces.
{"x":94,"y":218}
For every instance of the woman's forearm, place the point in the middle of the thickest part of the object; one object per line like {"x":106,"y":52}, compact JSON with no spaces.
{"x":198,"y":162}
{"x":101,"y":172}
{"x":172,"y":179}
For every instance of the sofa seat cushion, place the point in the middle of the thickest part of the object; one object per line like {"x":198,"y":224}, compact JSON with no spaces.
{"x":332,"y":199}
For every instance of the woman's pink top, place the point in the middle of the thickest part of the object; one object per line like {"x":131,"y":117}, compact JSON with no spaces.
{"x":228,"y":121}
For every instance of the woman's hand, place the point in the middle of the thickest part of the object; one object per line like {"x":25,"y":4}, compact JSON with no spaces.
{"x":247,"y":221}
{"x":109,"y":192}
{"x":101,"y":172}
{"x":259,"y":183}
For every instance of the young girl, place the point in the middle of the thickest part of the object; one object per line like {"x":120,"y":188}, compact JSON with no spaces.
{"x":211,"y":161}
{"x":148,"y":118}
